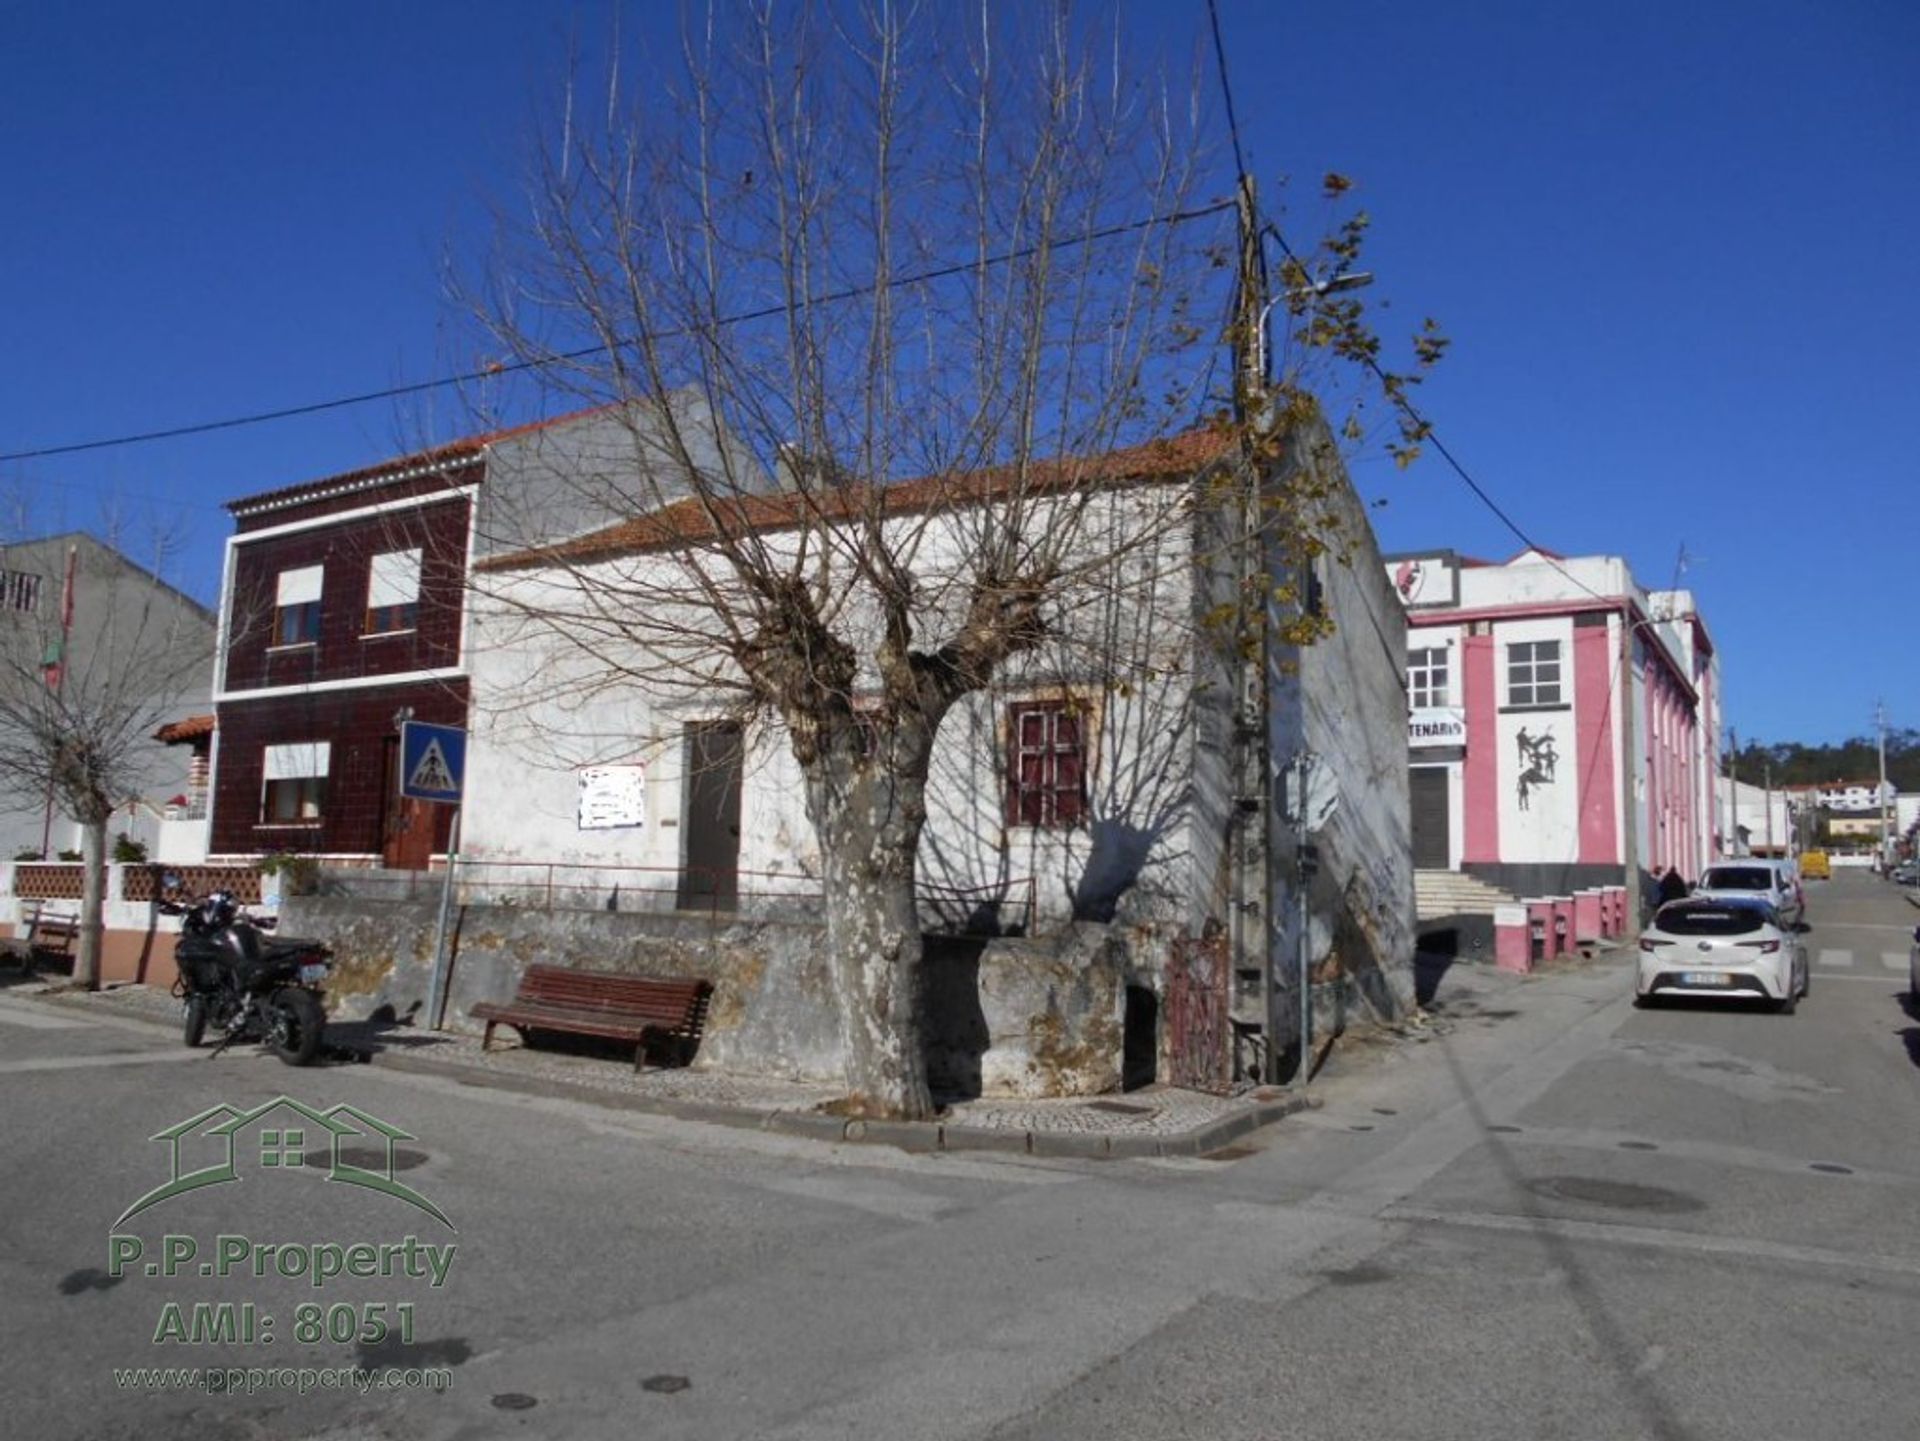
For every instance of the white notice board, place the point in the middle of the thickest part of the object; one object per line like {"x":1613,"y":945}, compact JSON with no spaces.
{"x":612,"y":797}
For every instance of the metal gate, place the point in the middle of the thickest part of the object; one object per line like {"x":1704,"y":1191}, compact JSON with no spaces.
{"x":1197,"y":1025}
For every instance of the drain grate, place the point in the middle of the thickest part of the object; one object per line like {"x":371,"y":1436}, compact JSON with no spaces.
{"x":1120,"y":1108}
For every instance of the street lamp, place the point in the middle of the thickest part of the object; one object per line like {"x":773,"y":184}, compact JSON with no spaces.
{"x":1332,"y":285}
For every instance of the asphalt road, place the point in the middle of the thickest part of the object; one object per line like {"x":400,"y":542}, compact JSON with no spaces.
{"x":1557,"y":1216}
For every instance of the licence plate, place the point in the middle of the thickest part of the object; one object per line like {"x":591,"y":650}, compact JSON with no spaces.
{"x":313,"y":973}
{"x":1706,"y":978}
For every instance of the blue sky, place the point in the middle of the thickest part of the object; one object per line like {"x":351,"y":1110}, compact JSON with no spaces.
{"x":1667,"y":242}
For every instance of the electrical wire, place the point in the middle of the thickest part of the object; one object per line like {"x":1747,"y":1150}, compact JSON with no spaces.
{"x":1178,"y":217}
{"x":1226,"y":91}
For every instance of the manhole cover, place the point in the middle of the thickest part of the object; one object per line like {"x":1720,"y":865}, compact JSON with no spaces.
{"x":1621,"y":1195}
{"x":1832,"y":1168}
{"x":1638,"y":1146}
{"x":514,"y":1401}
{"x":1505,"y":1130}
{"x":666,"y":1385}
{"x":370,"y":1158}
{"x":1120,"y":1108}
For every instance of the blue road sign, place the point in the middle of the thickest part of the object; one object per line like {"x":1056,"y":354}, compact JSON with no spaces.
{"x":433,"y":762}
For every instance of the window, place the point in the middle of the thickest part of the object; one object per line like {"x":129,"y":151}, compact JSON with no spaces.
{"x":1533,"y":673}
{"x":19,"y":591}
{"x":294,"y":786}
{"x":297,"y":607}
{"x":1046,"y":763}
{"x":1427,"y":678}
{"x":393,"y":592}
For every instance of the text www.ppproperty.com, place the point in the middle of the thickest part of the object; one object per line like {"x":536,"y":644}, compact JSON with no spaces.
{"x":248,"y":1380}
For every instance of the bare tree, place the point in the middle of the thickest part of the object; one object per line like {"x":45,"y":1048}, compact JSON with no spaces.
{"x":911,"y":312}
{"x":96,"y":653}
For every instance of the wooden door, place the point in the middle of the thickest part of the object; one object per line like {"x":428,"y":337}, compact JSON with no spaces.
{"x":710,"y":878}
{"x":406,"y":826}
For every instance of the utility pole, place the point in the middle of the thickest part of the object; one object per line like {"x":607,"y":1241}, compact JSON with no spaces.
{"x":1766,"y":771}
{"x":1249,"y":929}
{"x":1733,"y":791}
{"x":1629,"y":778}
{"x":1880,"y":795}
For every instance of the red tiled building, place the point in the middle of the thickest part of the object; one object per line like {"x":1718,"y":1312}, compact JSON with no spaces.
{"x":344,"y":612}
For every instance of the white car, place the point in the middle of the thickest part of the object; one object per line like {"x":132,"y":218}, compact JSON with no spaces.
{"x":1726,"y":948}
{"x":1913,"y":970}
{"x":1774,"y":882}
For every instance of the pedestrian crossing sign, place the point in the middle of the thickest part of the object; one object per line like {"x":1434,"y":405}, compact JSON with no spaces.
{"x":433,"y":762}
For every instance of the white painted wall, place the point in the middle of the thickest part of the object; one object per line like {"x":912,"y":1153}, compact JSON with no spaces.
{"x":1545,"y":827}
{"x":546,"y":702}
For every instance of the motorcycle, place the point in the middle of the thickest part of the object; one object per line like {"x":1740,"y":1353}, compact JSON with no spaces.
{"x":247,"y":986}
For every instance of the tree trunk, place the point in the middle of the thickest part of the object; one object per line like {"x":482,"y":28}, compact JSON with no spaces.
{"x":93,"y":887}
{"x":869,"y":828}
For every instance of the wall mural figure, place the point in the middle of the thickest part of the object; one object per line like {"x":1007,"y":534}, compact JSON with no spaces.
{"x":1538,"y":758}
{"x":1407,"y":579}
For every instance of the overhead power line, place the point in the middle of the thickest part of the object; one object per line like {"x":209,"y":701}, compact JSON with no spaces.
{"x":1432,"y":437}
{"x":393,"y":392}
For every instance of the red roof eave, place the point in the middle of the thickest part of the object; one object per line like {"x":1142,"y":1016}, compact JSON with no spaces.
{"x":694,"y":519}
{"x":190,"y":729}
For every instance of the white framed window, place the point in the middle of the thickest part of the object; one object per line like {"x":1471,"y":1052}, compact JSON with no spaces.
{"x":1533,"y":673}
{"x":1428,"y":684}
{"x":293,"y":787}
{"x":393,"y":592}
{"x":296,"y":616}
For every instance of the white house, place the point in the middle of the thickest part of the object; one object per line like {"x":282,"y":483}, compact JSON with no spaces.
{"x":1126,"y":774}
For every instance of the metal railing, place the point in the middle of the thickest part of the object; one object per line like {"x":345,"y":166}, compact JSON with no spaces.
{"x":998,"y":908}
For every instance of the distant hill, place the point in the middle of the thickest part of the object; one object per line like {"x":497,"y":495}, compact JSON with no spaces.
{"x":1856,"y":759}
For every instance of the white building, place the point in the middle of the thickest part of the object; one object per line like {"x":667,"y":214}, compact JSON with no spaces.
{"x":1521,"y":712}
{"x":1099,"y":779}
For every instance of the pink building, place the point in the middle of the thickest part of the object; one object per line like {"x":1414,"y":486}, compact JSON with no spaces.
{"x":1517,"y":706}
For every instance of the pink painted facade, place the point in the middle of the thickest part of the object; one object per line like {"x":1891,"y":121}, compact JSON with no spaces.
{"x":1523,"y":661}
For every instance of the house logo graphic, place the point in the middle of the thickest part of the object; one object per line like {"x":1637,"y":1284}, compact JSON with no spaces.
{"x":274,"y":1136}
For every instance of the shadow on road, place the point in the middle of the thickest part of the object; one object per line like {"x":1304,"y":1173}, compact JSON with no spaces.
{"x":356,"y":1042}
{"x":1656,"y":1413}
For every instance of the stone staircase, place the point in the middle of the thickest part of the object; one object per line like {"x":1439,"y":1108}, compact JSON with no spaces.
{"x":1455,"y":893}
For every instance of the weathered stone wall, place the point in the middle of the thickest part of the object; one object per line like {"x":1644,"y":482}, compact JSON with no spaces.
{"x":1007,"y":1017}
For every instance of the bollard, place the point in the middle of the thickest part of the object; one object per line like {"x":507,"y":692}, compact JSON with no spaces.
{"x":1586,"y":916}
{"x":1539,"y":930}
{"x":1562,"y":925}
{"x":1511,"y":939}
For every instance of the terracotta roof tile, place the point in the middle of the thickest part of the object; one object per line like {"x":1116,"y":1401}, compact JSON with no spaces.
{"x":192,"y":728}
{"x":689,"y":520}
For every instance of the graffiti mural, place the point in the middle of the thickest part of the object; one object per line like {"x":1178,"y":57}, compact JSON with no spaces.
{"x":1538,"y":758}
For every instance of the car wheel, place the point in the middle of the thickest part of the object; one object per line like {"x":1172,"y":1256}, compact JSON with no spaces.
{"x":1789,"y":1003}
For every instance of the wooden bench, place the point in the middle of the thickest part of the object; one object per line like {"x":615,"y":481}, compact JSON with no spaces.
{"x":647,"y":1010}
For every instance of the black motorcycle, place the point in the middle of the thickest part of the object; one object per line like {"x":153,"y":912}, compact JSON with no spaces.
{"x":246,"y":985}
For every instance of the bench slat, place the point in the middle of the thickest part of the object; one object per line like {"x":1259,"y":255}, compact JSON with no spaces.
{"x":602,"y":1003}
